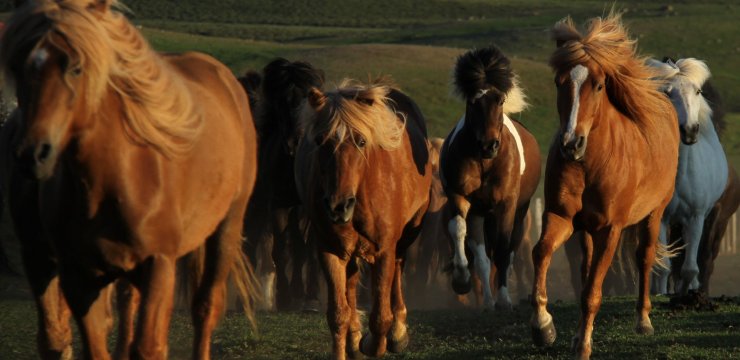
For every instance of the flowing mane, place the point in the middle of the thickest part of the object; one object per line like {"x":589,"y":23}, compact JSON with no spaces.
{"x":630,"y":82}
{"x":355,"y":109}
{"x":696,"y":72}
{"x":157,"y":107}
{"x":488,"y":69}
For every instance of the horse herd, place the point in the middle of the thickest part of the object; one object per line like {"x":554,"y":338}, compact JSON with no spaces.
{"x":120,"y":161}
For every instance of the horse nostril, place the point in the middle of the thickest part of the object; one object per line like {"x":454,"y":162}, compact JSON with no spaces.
{"x":43,"y":152}
{"x":349,"y":203}
{"x":495,"y":144}
{"x":581,"y":141}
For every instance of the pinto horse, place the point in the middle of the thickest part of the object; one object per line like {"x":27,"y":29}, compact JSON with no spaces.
{"x":613,"y":164}
{"x":274,"y":211}
{"x":490,"y":168}
{"x":364,"y":172}
{"x":702,"y":166}
{"x":137,"y":159}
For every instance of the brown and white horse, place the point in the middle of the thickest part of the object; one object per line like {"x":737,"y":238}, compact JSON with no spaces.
{"x":137,"y":159}
{"x":364,"y":173}
{"x":613,"y":164}
{"x":490,"y":168}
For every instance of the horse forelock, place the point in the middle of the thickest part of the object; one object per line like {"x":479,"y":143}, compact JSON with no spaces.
{"x":631,"y":84}
{"x":114,"y":58}
{"x":479,"y":71}
{"x":691,"y":70}
{"x":355,"y":110}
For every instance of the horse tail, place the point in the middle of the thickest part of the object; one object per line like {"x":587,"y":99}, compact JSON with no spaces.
{"x":242,"y":277}
{"x":664,"y":253}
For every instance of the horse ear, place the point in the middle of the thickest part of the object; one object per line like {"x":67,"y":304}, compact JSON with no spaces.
{"x":100,"y":5}
{"x":316,"y":98}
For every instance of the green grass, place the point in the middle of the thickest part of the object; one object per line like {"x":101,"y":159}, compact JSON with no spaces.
{"x":444,"y":334}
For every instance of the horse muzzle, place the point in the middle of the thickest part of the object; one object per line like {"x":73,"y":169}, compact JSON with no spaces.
{"x":37,"y":161}
{"x":574,"y":149}
{"x":690,"y":135}
{"x":340,"y":212}
{"x":489,"y":149}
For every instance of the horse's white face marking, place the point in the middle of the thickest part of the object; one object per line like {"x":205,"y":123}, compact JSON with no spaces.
{"x":686,"y":98}
{"x":578,"y":75}
{"x":39,"y":58}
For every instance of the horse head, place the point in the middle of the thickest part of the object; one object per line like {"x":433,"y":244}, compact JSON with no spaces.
{"x":684,"y":80}
{"x":347,"y":125}
{"x":484,"y":78}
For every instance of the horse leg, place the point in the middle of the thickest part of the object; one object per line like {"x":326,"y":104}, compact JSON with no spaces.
{"x":279,"y":245}
{"x":338,"y":312}
{"x":556,"y":231}
{"x":222,"y":250}
{"x":298,"y":254}
{"x":646,"y":250}
{"x":690,"y":268}
{"x":398,"y":337}
{"x":313,"y":277}
{"x":508,"y":237}
{"x":605,"y":244}
{"x":381,"y":317}
{"x":574,"y":255}
{"x":587,"y":255}
{"x":89,"y":302}
{"x":714,"y":230}
{"x":481,"y":262}
{"x":457,"y":228}
{"x":128,"y":299}
{"x":354,"y":333}
{"x":660,"y":280}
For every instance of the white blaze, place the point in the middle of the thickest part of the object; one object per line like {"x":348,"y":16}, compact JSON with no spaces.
{"x":578,"y":75}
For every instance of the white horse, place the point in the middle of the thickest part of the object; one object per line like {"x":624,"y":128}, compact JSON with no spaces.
{"x":702,"y":166}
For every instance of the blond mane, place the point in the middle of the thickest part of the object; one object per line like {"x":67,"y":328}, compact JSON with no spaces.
{"x":355,"y":110}
{"x":158,"y":109}
{"x":632,"y":86}
{"x":695,"y":71}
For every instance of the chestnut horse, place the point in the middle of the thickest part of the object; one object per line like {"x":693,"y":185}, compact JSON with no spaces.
{"x":490,"y":168}
{"x":131,"y":172}
{"x":613,"y":164}
{"x":364,"y":172}
{"x":274,"y":211}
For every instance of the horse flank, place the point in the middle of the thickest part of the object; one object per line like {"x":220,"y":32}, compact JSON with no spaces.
{"x":355,"y":110}
{"x":631,"y":83}
{"x":112,"y":53}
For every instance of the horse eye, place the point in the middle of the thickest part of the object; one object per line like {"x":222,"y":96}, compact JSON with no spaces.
{"x":361,"y":143}
{"x":75,"y":72}
{"x":698,"y":92}
{"x":599,"y":87}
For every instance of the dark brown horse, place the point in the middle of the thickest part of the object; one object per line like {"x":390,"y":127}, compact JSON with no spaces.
{"x":613,"y":164}
{"x":490,"y":168}
{"x":136,"y":159}
{"x":274,"y":212}
{"x":364,"y":173}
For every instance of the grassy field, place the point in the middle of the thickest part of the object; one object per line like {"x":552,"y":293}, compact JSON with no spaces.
{"x":444,"y":334}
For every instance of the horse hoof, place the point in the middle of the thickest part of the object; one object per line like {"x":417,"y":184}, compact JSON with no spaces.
{"x":544,"y":336}
{"x":644,"y":328}
{"x":398,"y":343}
{"x":355,"y":354}
{"x":369,"y":348}
{"x":461,"y":287}
{"x":67,"y":354}
{"x":311,"y":306}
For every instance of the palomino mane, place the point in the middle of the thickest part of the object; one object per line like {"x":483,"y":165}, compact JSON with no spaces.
{"x":158,"y":109}
{"x":630,"y":83}
{"x":696,"y":72}
{"x":488,"y":69}
{"x":356,"y":110}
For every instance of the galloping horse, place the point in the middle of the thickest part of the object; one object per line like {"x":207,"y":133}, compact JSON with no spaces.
{"x":284,"y":87}
{"x":613,"y":164}
{"x":138,"y":159}
{"x":364,"y":174}
{"x":702,"y":166}
{"x":490,"y":168}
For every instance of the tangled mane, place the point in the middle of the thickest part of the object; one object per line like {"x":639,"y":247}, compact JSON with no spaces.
{"x":630,"y":83}
{"x":696,"y":72}
{"x":285,"y":86}
{"x":355,"y":110}
{"x":488,"y":69}
{"x":158,"y":109}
